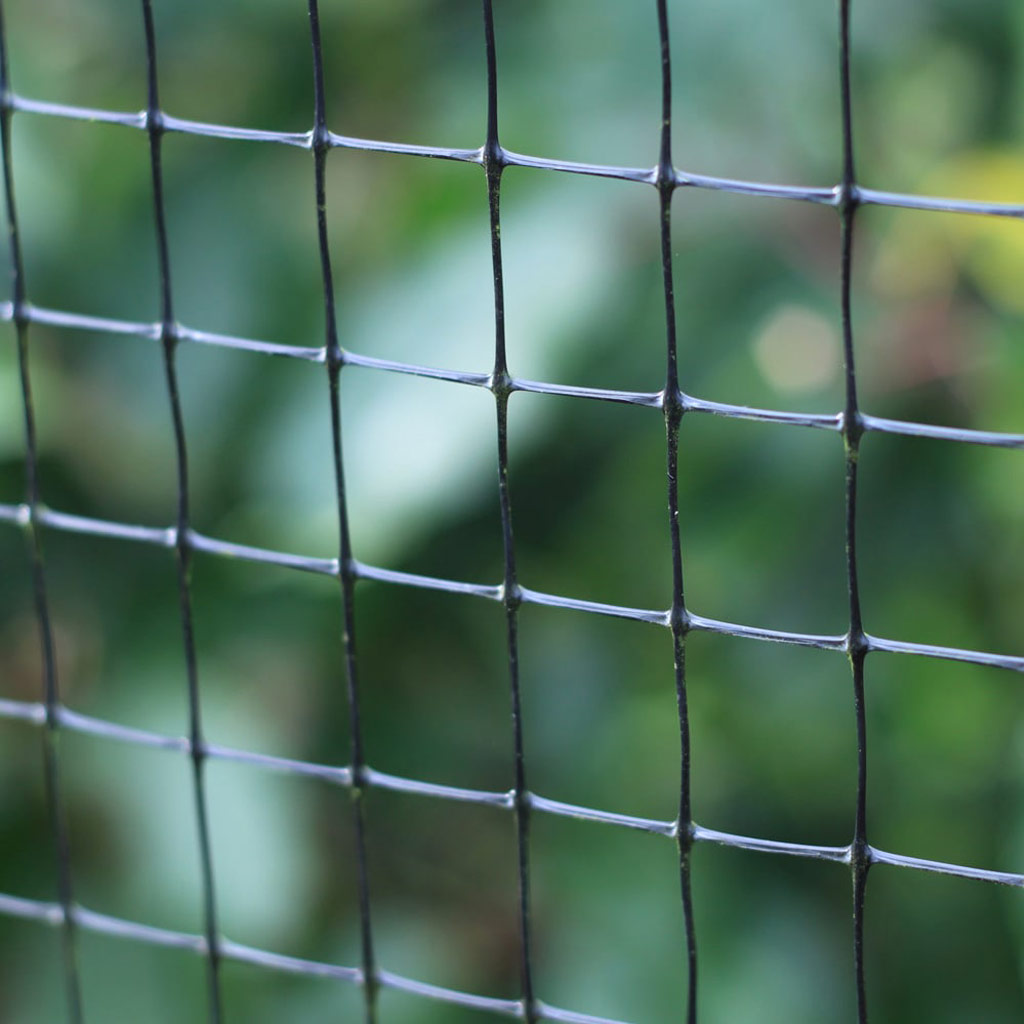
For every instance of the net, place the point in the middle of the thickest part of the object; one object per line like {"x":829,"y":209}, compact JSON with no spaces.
{"x":33,"y":517}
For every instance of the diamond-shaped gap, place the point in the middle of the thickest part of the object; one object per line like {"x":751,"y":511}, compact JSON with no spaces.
{"x":589,"y":499}
{"x":941,"y":949}
{"x":757,"y":301}
{"x":298,"y":895}
{"x":90,"y":54}
{"x":271,"y":661}
{"x":437,"y":98}
{"x":761,"y":523}
{"x":599,"y":712}
{"x":580,"y":80}
{"x":773,"y":738}
{"x":607,"y":920}
{"x":32,"y":985}
{"x":944,"y":749}
{"x":582,"y":281}
{"x":133,"y":831}
{"x":434,"y":682}
{"x":756,"y":95}
{"x":937,"y":312}
{"x":123,"y":977}
{"x":421,"y":474}
{"x":103,"y":420}
{"x":238,"y":63}
{"x":90,"y":183}
{"x":774,"y":937}
{"x":276,"y":490}
{"x":939,"y":551}
{"x":241,"y":222}
{"x":443,"y":890}
{"x":411,"y":254}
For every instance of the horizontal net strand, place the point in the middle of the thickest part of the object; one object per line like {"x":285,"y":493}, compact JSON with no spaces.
{"x":832,"y":422}
{"x":22,"y":516}
{"x":75,"y":722}
{"x":106,"y":924}
{"x":830,"y":195}
{"x":33,"y":517}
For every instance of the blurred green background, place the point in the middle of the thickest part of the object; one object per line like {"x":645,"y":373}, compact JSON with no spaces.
{"x":939,"y":336}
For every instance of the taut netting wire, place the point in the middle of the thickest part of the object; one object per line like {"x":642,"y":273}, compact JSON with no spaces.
{"x":674,"y":404}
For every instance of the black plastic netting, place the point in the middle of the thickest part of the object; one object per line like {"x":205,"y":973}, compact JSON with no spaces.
{"x":34,"y":518}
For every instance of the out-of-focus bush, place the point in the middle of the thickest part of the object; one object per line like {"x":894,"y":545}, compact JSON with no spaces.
{"x":938,"y":335}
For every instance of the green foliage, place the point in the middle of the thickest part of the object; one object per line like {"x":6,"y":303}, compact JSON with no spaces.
{"x":938,"y":335}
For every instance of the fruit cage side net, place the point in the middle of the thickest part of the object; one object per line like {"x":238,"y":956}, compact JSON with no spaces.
{"x":673,"y":403}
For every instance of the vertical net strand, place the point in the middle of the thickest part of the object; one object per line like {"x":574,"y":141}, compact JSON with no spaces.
{"x":501,"y":387}
{"x":673,"y":407}
{"x":673,"y":403}
{"x":321,"y":144}
{"x":51,"y":692}
{"x":852,"y":431}
{"x":182,"y":546}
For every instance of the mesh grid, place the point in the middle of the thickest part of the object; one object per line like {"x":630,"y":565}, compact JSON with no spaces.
{"x":672,"y":403}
